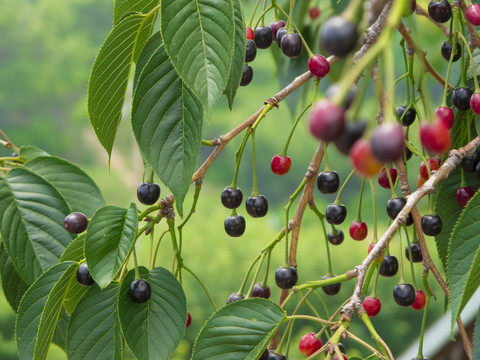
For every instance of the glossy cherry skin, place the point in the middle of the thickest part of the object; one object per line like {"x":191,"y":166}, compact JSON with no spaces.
{"x":275,"y":26}
{"x":189,"y":320}
{"x":469,"y":163}
{"x":257,"y":206}
{"x":318,"y":66}
{"x":336,"y":214}
{"x":394,"y":206}
{"x":250,"y":51}
{"x":332,"y":289}
{"x":234,"y":297}
{"x":327,"y":121}
{"x":83,"y":275}
{"x":407,"y":117}
{"x":445,"y":114}
{"x":435,"y":137}
{"x":383,"y":180}
{"x":280,"y":165}
{"x":475,"y":103}
{"x":440,"y":11}
{"x":260,"y":291}
{"x":352,"y":132}
{"x":358,"y":230}
{"x":314,"y":13}
{"x":433,"y":164}
{"x":75,"y":223}
{"x":461,"y":98}
{"x":404,"y":294}
{"x":148,"y":193}
{"x":263,"y":37}
{"x":235,"y":225}
{"x":272,"y":355}
{"x":286,"y":278}
{"x":388,"y":142}
{"x":420,"y":300}
{"x":389,"y":266}
{"x":328,"y":182}
{"x":473,"y":14}
{"x":363,"y":160}
{"x":309,"y":344}
{"x":372,"y":306}
{"x":335,"y":238}
{"x":280,"y":33}
{"x":231,"y":198}
{"x":291,"y":45}
{"x":431,"y":225}
{"x":247,"y":75}
{"x":250,"y":35}
{"x":464,"y":194}
{"x":335,"y":357}
{"x":447,"y":51}
{"x":338,"y":36}
{"x":140,"y":291}
{"x":416,"y":253}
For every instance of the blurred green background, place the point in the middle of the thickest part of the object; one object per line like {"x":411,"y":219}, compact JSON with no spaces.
{"x":47,"y":49}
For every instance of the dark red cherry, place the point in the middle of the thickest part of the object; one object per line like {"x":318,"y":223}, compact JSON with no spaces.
{"x":372,"y":306}
{"x":358,"y":230}
{"x":189,"y":320}
{"x":388,"y":142}
{"x":332,"y":289}
{"x":431,"y":225}
{"x":327,"y":121}
{"x":140,"y":291}
{"x":251,"y":51}
{"x":234,"y":297}
{"x":272,"y":355}
{"x":420,"y":300}
{"x":318,"y":66}
{"x":352,"y":132}
{"x":440,"y":11}
{"x":461,"y":98}
{"x":280,"y":33}
{"x":148,"y":193}
{"x":404,"y":294}
{"x":335,"y":237}
{"x":286,"y":278}
{"x":314,"y":13}
{"x":473,"y":14}
{"x":265,"y":355}
{"x":280,"y":165}
{"x":338,"y":36}
{"x":328,"y":182}
{"x":235,"y":225}
{"x":407,"y":117}
{"x":83,"y":275}
{"x":336,"y":214}
{"x":389,"y":266}
{"x":260,"y":291}
{"x":291,"y":45}
{"x":394,"y":206}
{"x":447,"y":51}
{"x":416,"y":253}
{"x":75,"y":223}
{"x":469,"y":163}
{"x":257,"y":206}
{"x":475,"y":103}
{"x":445,"y":114}
{"x":464,"y":194}
{"x":275,"y":26}
{"x":231,"y":198}
{"x":433,"y":164}
{"x":263,"y":37}
{"x":383,"y":180}
{"x":247,"y":75}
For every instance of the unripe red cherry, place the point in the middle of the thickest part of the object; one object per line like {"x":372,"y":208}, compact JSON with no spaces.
{"x":372,"y":306}
{"x":383,"y":177}
{"x":318,"y":66}
{"x":189,"y":320}
{"x":275,"y":26}
{"x":363,"y":159}
{"x":475,"y":101}
{"x":314,"y":13}
{"x":335,"y":357}
{"x":464,"y":194}
{"x":435,"y":137}
{"x":473,"y":14}
{"x":433,"y":164}
{"x":250,"y":34}
{"x":327,"y":121}
{"x":420,"y":300}
{"x":445,"y":114}
{"x":358,"y":230}
{"x":388,"y":142}
{"x":309,"y":344}
{"x":280,"y":165}
{"x":370,"y":248}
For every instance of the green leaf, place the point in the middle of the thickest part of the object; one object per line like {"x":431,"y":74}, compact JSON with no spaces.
{"x":199,"y":38}
{"x":74,"y":294}
{"x":61,"y":330}
{"x":476,"y":338}
{"x":449,"y":211}
{"x":31,"y":219}
{"x":122,"y":8}
{"x":110,"y":236}
{"x":236,"y":68}
{"x":167,"y":123}
{"x":109,"y":78}
{"x":148,"y":50}
{"x":30,"y":152}
{"x":240,"y":330}
{"x":76,"y":187}
{"x":464,"y":257}
{"x":153,"y":329}
{"x":40,"y":309}
{"x":74,"y":251}
{"x":13,"y":285}
{"x":94,"y":331}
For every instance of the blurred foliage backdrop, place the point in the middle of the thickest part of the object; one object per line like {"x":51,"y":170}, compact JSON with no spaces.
{"x":47,"y":49}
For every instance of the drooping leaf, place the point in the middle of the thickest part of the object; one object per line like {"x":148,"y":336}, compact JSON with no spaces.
{"x":13,"y":285}
{"x":39,"y":311}
{"x":464,"y":257}
{"x":93,"y":331}
{"x":110,"y":236}
{"x":59,"y":336}
{"x":153,"y":329}
{"x":75,"y":250}
{"x":29,"y":152}
{"x":109,"y":78}
{"x":74,"y":294}
{"x":476,"y":338}
{"x":31,"y":217}
{"x":76,"y":187}
{"x":236,"y":69}
{"x":199,"y":39}
{"x":167,"y":123}
{"x":123,"y":8}
{"x":150,"y":47}
{"x":240,"y":330}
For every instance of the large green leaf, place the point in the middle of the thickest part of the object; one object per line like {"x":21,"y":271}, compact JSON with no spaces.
{"x":122,"y":8}
{"x":167,"y":123}
{"x":148,"y":50}
{"x":109,"y":78}
{"x":31,"y":218}
{"x":199,"y":38}
{"x":29,"y":152}
{"x":40,"y":309}
{"x":59,"y":336}
{"x":13,"y":285}
{"x":75,"y":250}
{"x":93,"y":331}
{"x":110,"y":236}
{"x":240,"y":330}
{"x":76,"y":187}
{"x":74,"y":294}
{"x":153,"y":329}
{"x":464,"y":257}
{"x":476,"y":338}
{"x":236,"y":69}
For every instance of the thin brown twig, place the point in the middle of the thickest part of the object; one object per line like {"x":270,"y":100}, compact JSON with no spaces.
{"x":9,"y":143}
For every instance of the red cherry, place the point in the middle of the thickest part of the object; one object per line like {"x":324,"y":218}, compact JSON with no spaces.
{"x":363,"y":159}
{"x":420,"y":299}
{"x":383,"y":178}
{"x":372,"y":306}
{"x":314,"y":13}
{"x":275,"y":26}
{"x":327,"y":121}
{"x":335,"y":357}
{"x":189,"y":320}
{"x":435,"y":137}
{"x":250,"y":34}
{"x":280,"y":165}
{"x":318,"y":66}
{"x":433,"y":164}
{"x":473,"y":14}
{"x":446,"y":115}
{"x":358,"y":230}
{"x":420,"y":181}
{"x":475,"y":100}
{"x":370,"y":248}
{"x":309,"y":344}
{"x":464,"y":194}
